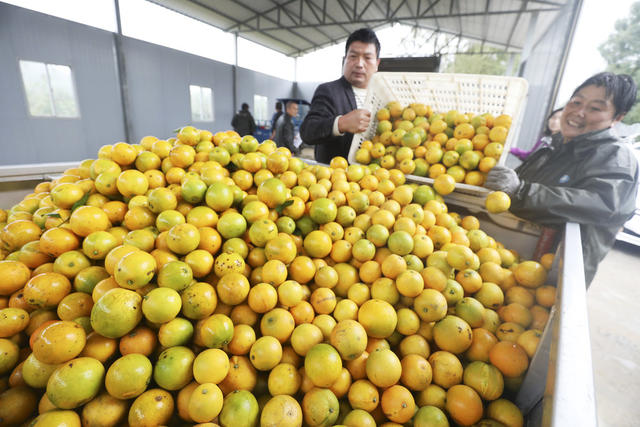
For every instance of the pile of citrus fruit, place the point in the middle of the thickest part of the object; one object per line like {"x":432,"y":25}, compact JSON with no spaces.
{"x":418,"y":141}
{"x":212,"y":279}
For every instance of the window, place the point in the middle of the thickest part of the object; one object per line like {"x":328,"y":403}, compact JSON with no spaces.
{"x":201,"y":103}
{"x":49,"y":89}
{"x":260,"y":107}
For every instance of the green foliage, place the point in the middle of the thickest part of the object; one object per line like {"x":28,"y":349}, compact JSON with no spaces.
{"x":493,"y":61}
{"x":622,"y":53}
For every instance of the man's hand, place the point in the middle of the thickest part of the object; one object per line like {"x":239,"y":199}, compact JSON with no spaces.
{"x":502,"y":178}
{"x":354,"y":122}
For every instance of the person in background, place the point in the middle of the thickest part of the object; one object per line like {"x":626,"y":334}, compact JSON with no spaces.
{"x":285,"y":130}
{"x":553,"y":127}
{"x":275,"y":117}
{"x":336,"y":108}
{"x":588,"y":175}
{"x":243,"y":122}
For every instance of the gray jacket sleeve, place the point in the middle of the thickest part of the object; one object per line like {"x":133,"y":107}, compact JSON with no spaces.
{"x":596,"y":198}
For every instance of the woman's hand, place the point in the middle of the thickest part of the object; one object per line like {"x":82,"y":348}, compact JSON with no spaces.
{"x":502,"y":178}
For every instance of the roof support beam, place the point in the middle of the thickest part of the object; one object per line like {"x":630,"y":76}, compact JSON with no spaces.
{"x":313,"y":12}
{"x":265,"y":17}
{"x":515,"y":23}
{"x":238,"y":24}
{"x":428,"y":9}
{"x":253,"y":28}
{"x":345,"y":10}
{"x":364,"y":10}
{"x":485,"y":23}
{"x":304,"y":22}
{"x":383,"y":20}
{"x":397,"y":9}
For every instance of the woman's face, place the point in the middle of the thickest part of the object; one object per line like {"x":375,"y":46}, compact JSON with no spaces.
{"x":554,"y":122}
{"x":587,"y":111}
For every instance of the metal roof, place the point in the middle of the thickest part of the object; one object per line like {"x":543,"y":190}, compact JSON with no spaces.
{"x":296,"y":27}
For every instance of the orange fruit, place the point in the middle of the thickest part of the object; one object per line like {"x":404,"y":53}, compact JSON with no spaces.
{"x":233,"y":288}
{"x":497,"y":202}
{"x":398,"y":404}
{"x":284,"y":379}
{"x":272,"y":192}
{"x":349,"y":338}
{"x":265,"y":353}
{"x":318,"y":244}
{"x":464,"y":405}
{"x":505,"y":412}
{"x":281,"y":411}
{"x":444,"y":184}
{"x":509,"y":358}
{"x":383,"y":368}
{"x":378,"y":318}
{"x":416,"y":372}
{"x":14,"y":276}
{"x":278,"y":323}
{"x":530,"y":274}
{"x":46,"y":290}
{"x":135,"y":270}
{"x":323,"y":365}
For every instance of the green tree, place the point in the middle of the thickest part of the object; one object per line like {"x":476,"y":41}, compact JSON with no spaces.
{"x":622,"y":53}
{"x":492,"y":61}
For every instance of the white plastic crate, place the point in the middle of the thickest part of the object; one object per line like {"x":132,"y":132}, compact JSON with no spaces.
{"x":467,"y":93}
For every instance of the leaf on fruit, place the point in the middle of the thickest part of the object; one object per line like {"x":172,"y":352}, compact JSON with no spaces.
{"x":53,"y":215}
{"x":80,"y":202}
{"x":281,"y":208}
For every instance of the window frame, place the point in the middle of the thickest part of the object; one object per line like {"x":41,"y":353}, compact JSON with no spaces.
{"x":263,"y":100}
{"x":201,"y":113}
{"x":50,"y":91}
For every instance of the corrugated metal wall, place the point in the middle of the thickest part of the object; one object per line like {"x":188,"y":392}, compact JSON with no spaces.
{"x":34,"y":36}
{"x":158,"y":81}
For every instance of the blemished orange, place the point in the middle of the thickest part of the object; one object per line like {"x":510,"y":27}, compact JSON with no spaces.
{"x":509,"y":358}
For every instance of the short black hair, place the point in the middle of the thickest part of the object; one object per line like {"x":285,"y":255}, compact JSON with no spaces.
{"x":245,"y":106}
{"x":364,"y":35}
{"x":278,"y":105}
{"x":620,"y":87}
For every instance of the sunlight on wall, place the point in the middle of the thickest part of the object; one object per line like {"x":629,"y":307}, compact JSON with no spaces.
{"x":96,"y":13}
{"x":155,"y":24}
{"x":264,"y":60}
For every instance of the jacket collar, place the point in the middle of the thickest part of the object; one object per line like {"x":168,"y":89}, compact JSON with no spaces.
{"x":585,"y":141}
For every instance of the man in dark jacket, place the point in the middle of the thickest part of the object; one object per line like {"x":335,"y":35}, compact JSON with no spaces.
{"x":588,"y":175}
{"x":336,"y":108}
{"x":285,"y":130}
{"x":275,"y":117}
{"x":243,"y":122}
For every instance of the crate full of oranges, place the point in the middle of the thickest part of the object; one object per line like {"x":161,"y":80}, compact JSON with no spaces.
{"x":429,"y":125}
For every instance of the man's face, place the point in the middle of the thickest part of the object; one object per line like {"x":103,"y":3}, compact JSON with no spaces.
{"x":587,"y":111}
{"x":360,"y":64}
{"x":292,"y":110}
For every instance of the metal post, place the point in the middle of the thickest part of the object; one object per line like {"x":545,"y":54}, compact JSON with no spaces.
{"x":122,"y":75}
{"x":528,"y":43}
{"x":234,"y":72}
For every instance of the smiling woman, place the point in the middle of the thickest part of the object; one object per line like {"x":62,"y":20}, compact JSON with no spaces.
{"x":588,"y":175}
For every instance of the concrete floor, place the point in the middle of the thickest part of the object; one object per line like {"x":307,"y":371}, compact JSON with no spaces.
{"x":614,"y":303}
